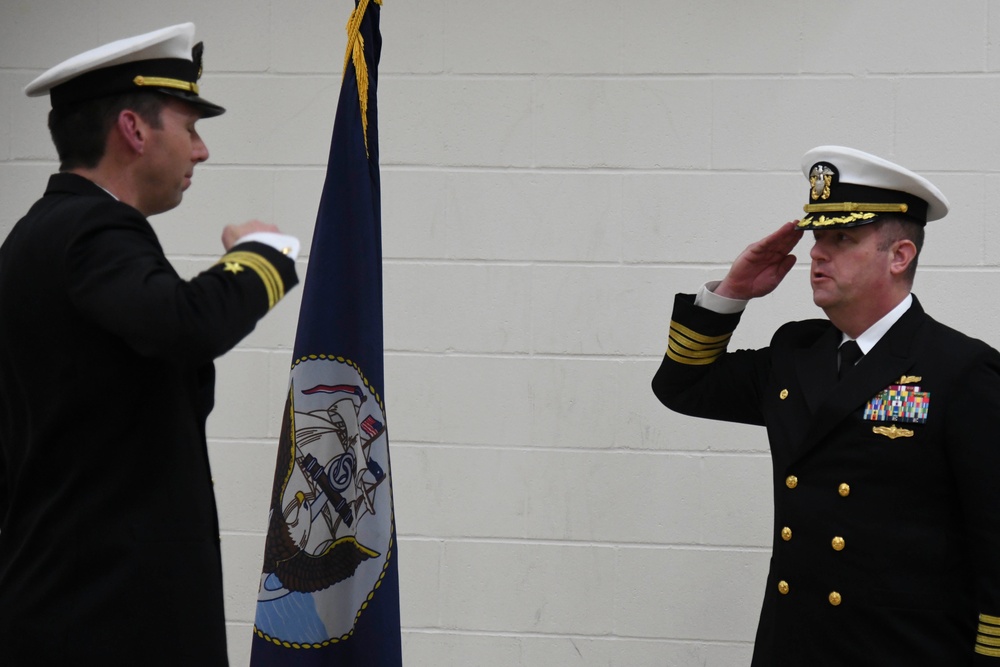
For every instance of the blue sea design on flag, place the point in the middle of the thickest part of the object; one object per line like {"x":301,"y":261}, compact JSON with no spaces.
{"x":295,"y":614}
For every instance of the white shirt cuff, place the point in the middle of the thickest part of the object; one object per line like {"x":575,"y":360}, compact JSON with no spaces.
{"x":707,"y":298}
{"x":288,"y":245}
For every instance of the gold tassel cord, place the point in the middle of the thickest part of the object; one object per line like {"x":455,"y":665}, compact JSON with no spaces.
{"x":356,"y":53}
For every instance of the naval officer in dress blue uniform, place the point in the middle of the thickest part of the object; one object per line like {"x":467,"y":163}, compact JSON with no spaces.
{"x":109,"y":541}
{"x":882,"y":426}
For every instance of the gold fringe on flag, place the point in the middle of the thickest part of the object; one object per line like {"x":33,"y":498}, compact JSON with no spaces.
{"x":356,"y":52}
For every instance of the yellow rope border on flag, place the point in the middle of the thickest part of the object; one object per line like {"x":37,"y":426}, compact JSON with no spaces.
{"x":356,"y":52}
{"x":392,"y":516}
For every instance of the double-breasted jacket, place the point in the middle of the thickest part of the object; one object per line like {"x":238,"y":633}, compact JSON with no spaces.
{"x":886,"y":537}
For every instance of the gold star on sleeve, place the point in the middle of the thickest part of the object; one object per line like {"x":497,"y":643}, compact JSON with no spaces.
{"x":237,"y":261}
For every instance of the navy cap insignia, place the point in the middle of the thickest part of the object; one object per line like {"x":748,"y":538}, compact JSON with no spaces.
{"x":899,"y":403}
{"x":821,"y":178}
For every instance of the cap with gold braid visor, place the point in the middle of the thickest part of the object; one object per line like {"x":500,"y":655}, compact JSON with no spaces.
{"x":849,"y":188}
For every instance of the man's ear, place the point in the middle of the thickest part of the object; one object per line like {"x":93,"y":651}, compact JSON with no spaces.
{"x":904,"y":253}
{"x":132,"y":130}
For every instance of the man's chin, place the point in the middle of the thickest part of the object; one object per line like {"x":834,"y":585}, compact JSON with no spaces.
{"x":165,"y":206}
{"x":822,"y":299}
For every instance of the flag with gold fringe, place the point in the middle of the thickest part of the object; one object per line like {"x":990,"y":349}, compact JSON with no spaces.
{"x":329,"y":589}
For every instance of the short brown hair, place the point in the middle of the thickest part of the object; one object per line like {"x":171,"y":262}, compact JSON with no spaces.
{"x":897,"y":228}
{"x":80,"y":131}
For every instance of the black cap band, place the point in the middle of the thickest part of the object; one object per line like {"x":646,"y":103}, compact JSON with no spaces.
{"x":123,"y":79}
{"x":850,"y":198}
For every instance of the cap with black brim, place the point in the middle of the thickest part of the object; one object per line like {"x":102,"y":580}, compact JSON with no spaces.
{"x":164,"y":61}
{"x":849,"y":188}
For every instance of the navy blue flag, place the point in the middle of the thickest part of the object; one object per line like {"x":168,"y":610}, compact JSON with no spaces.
{"x":329,"y":590}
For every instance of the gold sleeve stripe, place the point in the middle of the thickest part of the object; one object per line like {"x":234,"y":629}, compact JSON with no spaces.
{"x":688,"y":361}
{"x":693,"y":351}
{"x":693,"y":345}
{"x":988,"y":639}
{"x":991,"y":652}
{"x":268,"y":275}
{"x":265,"y":271}
{"x":699,"y":338}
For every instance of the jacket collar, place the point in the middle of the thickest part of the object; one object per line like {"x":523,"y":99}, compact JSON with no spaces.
{"x":68,"y":183}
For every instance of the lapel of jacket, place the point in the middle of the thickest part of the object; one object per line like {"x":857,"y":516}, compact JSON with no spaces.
{"x":888,"y":360}
{"x":816,"y":367}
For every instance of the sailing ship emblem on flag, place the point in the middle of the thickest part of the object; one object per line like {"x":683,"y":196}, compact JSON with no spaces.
{"x":329,"y":534}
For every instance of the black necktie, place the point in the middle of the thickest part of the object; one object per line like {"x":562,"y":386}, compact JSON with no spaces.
{"x":850,"y":353}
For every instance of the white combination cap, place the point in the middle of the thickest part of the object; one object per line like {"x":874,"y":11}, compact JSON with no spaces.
{"x":848,"y":188}
{"x":164,"y":61}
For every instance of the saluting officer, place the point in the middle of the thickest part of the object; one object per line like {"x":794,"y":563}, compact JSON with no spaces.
{"x":882,"y":428}
{"x":109,"y":541}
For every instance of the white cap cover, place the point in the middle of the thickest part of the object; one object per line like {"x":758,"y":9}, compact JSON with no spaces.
{"x":848,"y":187}
{"x":165,"y":60}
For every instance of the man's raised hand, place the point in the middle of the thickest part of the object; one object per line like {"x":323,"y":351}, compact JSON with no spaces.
{"x":762,"y":266}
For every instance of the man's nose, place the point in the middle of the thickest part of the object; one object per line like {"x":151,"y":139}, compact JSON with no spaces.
{"x":200,"y":153}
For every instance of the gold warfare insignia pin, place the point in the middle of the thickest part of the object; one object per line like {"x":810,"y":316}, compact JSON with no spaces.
{"x":892,"y":432}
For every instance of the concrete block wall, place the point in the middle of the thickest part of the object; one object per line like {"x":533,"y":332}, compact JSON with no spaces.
{"x":552,"y":174}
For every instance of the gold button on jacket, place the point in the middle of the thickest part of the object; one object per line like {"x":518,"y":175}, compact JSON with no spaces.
{"x":783,"y":587}
{"x":791,"y":481}
{"x":837,"y":543}
{"x":835,"y":598}
{"x":844,"y":489}
{"x":786,"y":533}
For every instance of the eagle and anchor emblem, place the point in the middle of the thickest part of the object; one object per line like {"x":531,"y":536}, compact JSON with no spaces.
{"x":330,"y":533}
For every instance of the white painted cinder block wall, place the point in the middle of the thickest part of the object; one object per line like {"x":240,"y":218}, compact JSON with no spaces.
{"x":552,"y":173}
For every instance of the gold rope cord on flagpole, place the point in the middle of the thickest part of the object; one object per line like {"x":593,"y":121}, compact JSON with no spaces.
{"x":356,"y":52}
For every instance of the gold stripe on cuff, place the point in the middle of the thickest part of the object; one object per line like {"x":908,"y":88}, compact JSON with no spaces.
{"x":266,"y":271}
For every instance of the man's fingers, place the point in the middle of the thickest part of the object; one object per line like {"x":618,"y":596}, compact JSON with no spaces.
{"x":786,"y":265}
{"x":783,"y":240}
{"x":231,"y":234}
